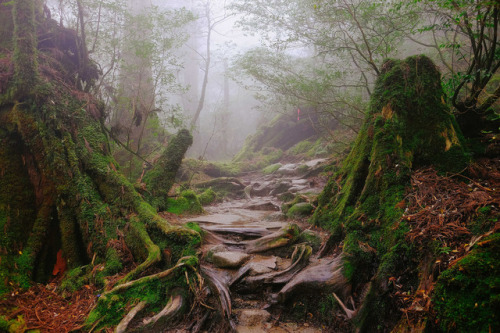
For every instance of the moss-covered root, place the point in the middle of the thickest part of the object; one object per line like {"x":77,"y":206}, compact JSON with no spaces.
{"x":174,"y":306}
{"x":125,"y":301}
{"x":285,"y":236}
{"x":153,"y":251}
{"x":160,"y":179}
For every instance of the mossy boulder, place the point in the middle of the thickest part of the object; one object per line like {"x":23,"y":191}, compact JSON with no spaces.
{"x":300,"y":210}
{"x":271,"y":168}
{"x":295,"y":199}
{"x":187,"y":202}
{"x":207,"y":197}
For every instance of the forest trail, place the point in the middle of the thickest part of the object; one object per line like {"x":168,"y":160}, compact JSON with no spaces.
{"x":252,"y":252}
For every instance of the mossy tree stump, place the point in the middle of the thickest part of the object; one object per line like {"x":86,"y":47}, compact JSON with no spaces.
{"x":408,"y":126}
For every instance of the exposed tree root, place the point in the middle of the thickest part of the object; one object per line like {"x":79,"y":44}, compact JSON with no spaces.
{"x":301,"y":255}
{"x":325,"y":274}
{"x":147,"y":279}
{"x":284,"y":236}
{"x":123,"y":325}
{"x":220,"y":286}
{"x":173,"y":307}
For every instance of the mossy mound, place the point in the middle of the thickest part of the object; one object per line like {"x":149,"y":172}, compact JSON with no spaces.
{"x":187,"y":202}
{"x":408,"y":126}
{"x":467,"y":296}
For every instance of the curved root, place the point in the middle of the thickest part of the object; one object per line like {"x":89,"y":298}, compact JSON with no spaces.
{"x":123,"y":325}
{"x":173,"y":307}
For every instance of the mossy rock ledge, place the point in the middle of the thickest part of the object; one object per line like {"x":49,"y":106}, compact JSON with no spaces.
{"x":408,"y":126}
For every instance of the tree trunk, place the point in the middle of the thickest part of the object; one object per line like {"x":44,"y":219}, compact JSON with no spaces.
{"x":408,"y":126}
{"x":62,"y":191}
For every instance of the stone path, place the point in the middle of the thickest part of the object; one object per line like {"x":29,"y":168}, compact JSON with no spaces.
{"x":248,"y":243}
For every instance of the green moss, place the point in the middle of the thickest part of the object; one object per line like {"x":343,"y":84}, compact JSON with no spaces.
{"x":160,"y":179}
{"x":407,"y":126}
{"x":302,"y":209}
{"x":311,"y":238}
{"x":271,"y":168}
{"x":207,"y":197}
{"x":301,"y":147}
{"x":467,"y":296}
{"x":188,"y":202}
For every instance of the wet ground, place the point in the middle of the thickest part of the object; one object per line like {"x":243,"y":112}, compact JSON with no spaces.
{"x":231,"y":229}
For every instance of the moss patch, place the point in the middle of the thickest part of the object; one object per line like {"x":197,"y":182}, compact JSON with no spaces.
{"x":467,"y":296}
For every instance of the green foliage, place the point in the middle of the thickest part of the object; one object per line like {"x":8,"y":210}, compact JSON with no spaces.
{"x":467,"y":295}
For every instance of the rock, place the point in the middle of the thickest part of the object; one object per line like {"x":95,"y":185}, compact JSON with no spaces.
{"x":261,"y":189}
{"x":216,"y":249}
{"x":252,"y":317}
{"x":297,"y":188}
{"x":261,"y":265}
{"x":258,"y":269}
{"x":296,"y":182}
{"x":316,"y":162}
{"x":288,"y":169}
{"x":301,"y":209}
{"x":267,"y":206}
{"x":280,"y":188}
{"x":228,"y":259}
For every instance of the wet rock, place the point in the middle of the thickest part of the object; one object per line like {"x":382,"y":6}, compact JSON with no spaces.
{"x":280,"y":187}
{"x":297,"y":188}
{"x":252,"y":317}
{"x":302,"y":209}
{"x":229,"y":259}
{"x":261,"y":265}
{"x":288,"y":169}
{"x":297,"y":182}
{"x":216,"y":249}
{"x":261,"y":189}
{"x":267,"y":206}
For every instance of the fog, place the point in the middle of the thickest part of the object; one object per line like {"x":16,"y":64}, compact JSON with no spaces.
{"x":222,"y":67}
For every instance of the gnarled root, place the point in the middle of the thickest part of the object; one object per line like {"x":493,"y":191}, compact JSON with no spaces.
{"x":325,"y":274}
{"x":301,"y":259}
{"x":220,"y":285}
{"x":284,"y":236}
{"x":122,"y":326}
{"x":173,"y":307}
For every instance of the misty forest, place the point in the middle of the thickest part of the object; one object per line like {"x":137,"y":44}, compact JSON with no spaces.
{"x":249,"y":166}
